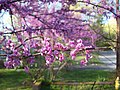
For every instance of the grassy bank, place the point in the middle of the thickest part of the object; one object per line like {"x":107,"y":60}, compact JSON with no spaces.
{"x":13,"y":80}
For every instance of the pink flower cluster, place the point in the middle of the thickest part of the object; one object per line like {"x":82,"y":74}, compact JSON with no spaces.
{"x":77,"y":46}
{"x":49,"y":27}
{"x":51,"y":53}
{"x":15,"y":55}
{"x":12,"y":60}
{"x":87,"y":57}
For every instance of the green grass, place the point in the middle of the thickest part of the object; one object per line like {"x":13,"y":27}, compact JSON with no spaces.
{"x":12,"y":80}
{"x":86,"y":76}
{"x":82,"y":87}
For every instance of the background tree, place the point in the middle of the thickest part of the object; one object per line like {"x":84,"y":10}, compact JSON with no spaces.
{"x":50,"y":32}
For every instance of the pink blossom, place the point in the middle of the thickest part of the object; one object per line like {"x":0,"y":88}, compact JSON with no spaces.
{"x":79,"y":41}
{"x":61,"y":57}
{"x":49,"y":59}
{"x":43,"y":30}
{"x":73,"y":53}
{"x":72,"y":44}
{"x":56,"y":52}
{"x":78,"y":46}
{"x":59,"y":46}
{"x":83,"y":62}
{"x":73,"y":57}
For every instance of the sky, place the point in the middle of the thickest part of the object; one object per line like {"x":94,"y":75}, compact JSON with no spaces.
{"x":4,"y":20}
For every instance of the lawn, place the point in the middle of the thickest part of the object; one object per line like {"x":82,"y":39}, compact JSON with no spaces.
{"x":86,"y":76}
{"x":12,"y":79}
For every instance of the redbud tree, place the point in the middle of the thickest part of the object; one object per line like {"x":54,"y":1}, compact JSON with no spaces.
{"x":49,"y":28}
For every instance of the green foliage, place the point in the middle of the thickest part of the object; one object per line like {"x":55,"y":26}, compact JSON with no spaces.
{"x":107,"y":32}
{"x":110,"y":28}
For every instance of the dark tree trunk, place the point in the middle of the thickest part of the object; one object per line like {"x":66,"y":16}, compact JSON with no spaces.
{"x":118,"y":41}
